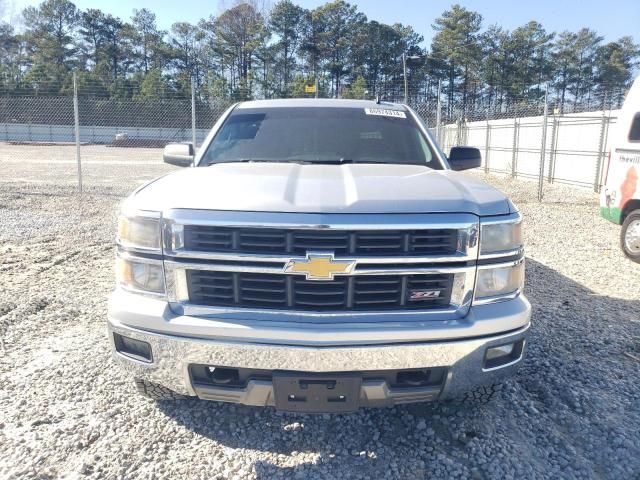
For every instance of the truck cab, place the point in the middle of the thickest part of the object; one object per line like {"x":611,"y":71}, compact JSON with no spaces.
{"x":620,"y":198}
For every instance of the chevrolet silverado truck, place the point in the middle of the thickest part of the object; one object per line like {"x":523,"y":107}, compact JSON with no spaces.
{"x":319,"y":256}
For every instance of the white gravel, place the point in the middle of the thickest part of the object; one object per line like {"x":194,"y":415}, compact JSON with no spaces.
{"x":66,"y":411}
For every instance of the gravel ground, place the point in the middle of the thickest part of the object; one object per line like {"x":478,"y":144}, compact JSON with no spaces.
{"x":66,"y":411}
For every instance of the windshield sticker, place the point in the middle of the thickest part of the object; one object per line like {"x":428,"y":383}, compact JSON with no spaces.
{"x":383,"y":112}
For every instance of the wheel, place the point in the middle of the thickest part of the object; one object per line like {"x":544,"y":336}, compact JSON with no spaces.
{"x":155,"y":391}
{"x":630,"y":236}
{"x":478,"y":396}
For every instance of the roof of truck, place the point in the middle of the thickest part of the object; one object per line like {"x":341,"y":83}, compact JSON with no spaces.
{"x":320,"y":102}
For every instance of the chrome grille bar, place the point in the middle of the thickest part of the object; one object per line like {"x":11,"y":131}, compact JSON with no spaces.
{"x":273,"y":236}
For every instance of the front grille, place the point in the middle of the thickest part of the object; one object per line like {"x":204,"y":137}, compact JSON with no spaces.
{"x":293,"y":292}
{"x":274,"y":241}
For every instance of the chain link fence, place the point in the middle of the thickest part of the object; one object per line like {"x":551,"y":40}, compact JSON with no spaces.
{"x":527,"y":139}
{"x":76,"y":136}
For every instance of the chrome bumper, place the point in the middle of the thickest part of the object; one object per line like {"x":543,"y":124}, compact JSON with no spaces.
{"x":407,"y":348}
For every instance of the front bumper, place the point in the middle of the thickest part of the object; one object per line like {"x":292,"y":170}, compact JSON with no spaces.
{"x":408,"y":348}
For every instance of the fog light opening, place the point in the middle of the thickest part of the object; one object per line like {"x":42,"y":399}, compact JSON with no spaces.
{"x":130,"y":347}
{"x":502,"y":355}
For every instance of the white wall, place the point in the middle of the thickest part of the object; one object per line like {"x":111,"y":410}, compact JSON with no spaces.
{"x":574,"y":156}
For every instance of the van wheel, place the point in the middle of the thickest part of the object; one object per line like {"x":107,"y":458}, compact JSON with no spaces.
{"x":630,"y":236}
{"x":155,"y":391}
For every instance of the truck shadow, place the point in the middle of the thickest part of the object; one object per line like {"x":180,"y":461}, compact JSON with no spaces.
{"x":581,"y":369}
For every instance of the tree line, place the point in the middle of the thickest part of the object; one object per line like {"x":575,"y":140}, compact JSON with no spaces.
{"x":250,"y":51}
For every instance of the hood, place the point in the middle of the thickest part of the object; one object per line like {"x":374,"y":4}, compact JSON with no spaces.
{"x":295,"y":188}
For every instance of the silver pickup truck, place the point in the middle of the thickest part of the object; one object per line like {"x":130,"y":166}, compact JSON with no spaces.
{"x":320,"y":256}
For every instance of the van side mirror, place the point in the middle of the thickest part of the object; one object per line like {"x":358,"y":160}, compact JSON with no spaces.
{"x":179,"y":154}
{"x":464,"y":158}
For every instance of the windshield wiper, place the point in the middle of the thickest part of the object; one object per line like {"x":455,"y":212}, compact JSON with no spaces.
{"x":332,"y":161}
{"x":258,"y":160}
{"x":335,"y":161}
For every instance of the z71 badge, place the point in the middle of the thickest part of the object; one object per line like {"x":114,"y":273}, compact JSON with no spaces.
{"x":416,"y":295}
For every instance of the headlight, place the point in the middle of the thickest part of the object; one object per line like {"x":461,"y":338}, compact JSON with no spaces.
{"x":140,"y":275}
{"x":494,"y":282}
{"x":139,"y":232}
{"x":501,"y":237}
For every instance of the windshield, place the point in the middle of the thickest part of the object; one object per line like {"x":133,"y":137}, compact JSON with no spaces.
{"x":320,"y":135}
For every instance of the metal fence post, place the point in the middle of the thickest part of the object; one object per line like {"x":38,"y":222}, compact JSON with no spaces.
{"x":404,"y":74}
{"x":77,"y":130}
{"x":193,"y":113}
{"x":601,"y":147}
{"x":543,"y":147}
{"x":487,"y":140}
{"x":465,"y":131}
{"x":439,"y":115}
{"x":514,"y":147}
{"x":552,"y":153}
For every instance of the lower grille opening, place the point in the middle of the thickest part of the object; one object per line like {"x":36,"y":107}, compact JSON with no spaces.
{"x":344,"y":293}
{"x":419,"y":378}
{"x":210,"y":375}
{"x":413,"y":378}
{"x":216,"y":376}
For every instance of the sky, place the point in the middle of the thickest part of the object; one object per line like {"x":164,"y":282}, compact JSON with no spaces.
{"x":611,"y":18}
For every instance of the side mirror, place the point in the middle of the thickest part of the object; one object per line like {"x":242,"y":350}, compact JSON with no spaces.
{"x":179,"y":154}
{"x":464,"y":158}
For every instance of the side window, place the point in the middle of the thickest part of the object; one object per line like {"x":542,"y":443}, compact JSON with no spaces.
{"x":634,"y":133}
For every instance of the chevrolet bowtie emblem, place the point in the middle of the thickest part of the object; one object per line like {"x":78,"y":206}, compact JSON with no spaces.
{"x":320,"y":266}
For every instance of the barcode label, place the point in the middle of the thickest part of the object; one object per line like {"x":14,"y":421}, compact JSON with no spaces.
{"x":384,"y":112}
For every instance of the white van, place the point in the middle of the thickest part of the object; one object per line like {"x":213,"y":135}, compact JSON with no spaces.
{"x":620,"y":200}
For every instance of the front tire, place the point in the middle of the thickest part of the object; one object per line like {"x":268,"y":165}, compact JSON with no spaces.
{"x":155,"y":391}
{"x":630,"y":236}
{"x":478,"y":396}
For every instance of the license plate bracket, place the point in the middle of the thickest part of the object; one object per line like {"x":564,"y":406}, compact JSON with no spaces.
{"x":317,"y":393}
